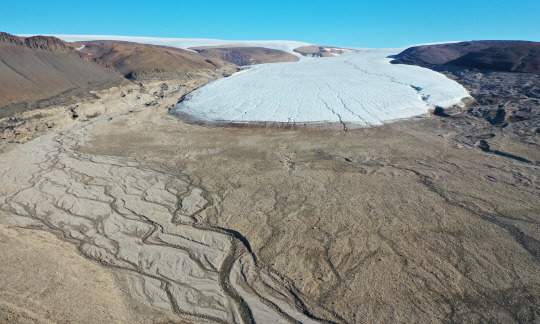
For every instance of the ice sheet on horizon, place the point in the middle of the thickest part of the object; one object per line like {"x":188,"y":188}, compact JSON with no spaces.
{"x":361,"y":88}
{"x":284,"y":45}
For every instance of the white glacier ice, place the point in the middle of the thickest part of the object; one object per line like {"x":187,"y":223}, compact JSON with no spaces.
{"x":358,"y":88}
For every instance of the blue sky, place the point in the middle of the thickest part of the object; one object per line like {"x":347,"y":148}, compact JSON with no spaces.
{"x":340,"y":23}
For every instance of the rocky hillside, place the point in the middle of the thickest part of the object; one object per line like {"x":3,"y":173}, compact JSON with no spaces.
{"x":37,"y":42}
{"x":507,"y":56}
{"x":516,"y":58}
{"x":141,"y":61}
{"x":41,"y":67}
{"x":245,"y":55}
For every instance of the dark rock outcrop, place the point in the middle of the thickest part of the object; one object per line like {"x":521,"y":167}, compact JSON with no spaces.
{"x":8,"y":38}
{"x":48,"y":43}
{"x":507,"y":56}
{"x":515,"y":58}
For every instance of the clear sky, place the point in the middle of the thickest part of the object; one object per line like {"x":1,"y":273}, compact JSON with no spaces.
{"x":359,"y":23}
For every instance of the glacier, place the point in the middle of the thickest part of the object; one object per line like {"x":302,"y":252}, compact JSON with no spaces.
{"x":357,"y":88}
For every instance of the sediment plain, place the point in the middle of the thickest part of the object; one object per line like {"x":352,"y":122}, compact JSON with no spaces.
{"x":412,"y":221}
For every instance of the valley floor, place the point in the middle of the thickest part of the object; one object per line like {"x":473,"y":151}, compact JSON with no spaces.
{"x":414,"y":221}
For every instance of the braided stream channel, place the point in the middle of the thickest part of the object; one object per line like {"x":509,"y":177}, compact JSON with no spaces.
{"x":146,"y":223}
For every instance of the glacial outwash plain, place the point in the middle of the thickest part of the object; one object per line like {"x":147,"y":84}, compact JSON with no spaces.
{"x":154,"y":180}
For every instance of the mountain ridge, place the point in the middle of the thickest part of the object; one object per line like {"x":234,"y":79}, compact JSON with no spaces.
{"x":497,"y":55}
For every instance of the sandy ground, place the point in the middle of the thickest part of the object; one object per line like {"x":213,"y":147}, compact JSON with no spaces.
{"x":397,"y":223}
{"x":45,"y":280}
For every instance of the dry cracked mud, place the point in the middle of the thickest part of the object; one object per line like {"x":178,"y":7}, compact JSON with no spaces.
{"x":406,"y":222}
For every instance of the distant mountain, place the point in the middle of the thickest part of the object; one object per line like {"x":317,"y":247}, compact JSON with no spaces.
{"x":143,"y":61}
{"x":40,"y":67}
{"x":245,"y":55}
{"x":509,"y":56}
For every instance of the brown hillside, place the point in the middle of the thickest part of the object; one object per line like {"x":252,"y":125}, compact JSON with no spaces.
{"x":506,"y":56}
{"x":245,"y":55}
{"x":40,"y":67}
{"x":142,"y":61}
{"x":524,"y":57}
